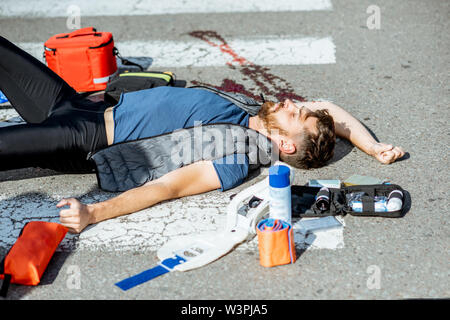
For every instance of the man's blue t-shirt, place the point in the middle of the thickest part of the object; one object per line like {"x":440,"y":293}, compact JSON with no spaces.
{"x":151,"y":112}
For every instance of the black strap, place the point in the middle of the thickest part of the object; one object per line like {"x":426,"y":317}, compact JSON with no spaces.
{"x":368,"y":204}
{"x":2,"y":264}
{"x":126,"y":62}
{"x":5,"y":285}
{"x":6,"y":278}
{"x":262,"y":98}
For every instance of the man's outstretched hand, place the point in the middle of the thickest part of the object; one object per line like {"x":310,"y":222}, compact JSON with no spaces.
{"x":196,"y":178}
{"x":77,"y":217}
{"x":386,"y":153}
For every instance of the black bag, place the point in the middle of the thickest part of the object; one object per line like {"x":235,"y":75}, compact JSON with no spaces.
{"x":304,"y":201}
{"x":135,"y":81}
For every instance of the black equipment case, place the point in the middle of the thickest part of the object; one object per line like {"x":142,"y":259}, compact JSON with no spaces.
{"x":303,"y":201}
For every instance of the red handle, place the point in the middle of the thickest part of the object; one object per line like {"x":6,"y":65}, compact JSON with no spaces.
{"x":83,"y":32}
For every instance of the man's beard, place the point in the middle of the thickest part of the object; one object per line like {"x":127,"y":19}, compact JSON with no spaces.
{"x":270,"y":123}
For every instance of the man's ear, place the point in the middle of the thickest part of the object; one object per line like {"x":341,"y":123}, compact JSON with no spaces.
{"x":286,"y":146}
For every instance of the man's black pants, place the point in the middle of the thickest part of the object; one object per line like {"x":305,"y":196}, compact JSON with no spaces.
{"x":62,"y":127}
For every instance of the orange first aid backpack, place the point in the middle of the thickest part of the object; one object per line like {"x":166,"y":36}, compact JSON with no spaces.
{"x":84,"y":58}
{"x":28,"y":258}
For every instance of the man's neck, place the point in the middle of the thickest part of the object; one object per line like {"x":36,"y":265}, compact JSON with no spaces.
{"x":255,"y":123}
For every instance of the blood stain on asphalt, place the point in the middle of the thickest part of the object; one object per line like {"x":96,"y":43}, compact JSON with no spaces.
{"x":267,"y":83}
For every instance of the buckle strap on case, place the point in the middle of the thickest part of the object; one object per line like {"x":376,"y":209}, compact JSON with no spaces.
{"x":126,"y":62}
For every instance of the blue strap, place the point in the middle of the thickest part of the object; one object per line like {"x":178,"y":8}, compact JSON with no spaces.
{"x":272,"y":225}
{"x":163,"y":267}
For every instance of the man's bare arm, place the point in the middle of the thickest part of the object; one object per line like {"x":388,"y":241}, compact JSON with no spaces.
{"x":350,"y":128}
{"x":193,"y":179}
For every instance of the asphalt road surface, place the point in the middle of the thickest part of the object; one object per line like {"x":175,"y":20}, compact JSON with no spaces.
{"x":392,"y":76}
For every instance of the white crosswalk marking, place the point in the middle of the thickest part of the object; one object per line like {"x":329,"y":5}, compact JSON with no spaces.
{"x":58,"y":8}
{"x":264,"y":51}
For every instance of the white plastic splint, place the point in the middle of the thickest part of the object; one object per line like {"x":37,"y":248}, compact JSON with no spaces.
{"x":243,"y":213}
{"x":199,"y":250}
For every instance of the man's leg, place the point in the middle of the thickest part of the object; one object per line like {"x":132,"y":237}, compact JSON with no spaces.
{"x":31,"y":87}
{"x":60,"y":143}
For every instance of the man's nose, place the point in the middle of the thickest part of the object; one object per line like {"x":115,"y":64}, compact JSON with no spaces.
{"x":289,"y":104}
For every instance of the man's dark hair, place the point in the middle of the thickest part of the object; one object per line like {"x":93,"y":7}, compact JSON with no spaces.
{"x":314,"y":151}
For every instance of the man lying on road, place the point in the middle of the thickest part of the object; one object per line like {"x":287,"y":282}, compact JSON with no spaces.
{"x":63,"y":128}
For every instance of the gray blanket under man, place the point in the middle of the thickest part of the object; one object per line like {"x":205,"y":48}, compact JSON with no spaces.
{"x":130,"y":164}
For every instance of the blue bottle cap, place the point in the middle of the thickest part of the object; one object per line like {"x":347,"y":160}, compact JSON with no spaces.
{"x":279,"y":176}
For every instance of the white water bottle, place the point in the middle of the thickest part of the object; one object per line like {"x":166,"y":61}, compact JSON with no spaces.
{"x":280,"y":193}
